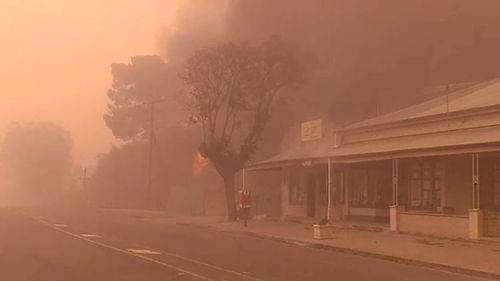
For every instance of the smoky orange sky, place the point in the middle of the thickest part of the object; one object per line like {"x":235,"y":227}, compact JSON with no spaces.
{"x":55,"y":60}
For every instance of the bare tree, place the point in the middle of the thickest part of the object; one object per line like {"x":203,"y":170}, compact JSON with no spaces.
{"x":233,"y":88}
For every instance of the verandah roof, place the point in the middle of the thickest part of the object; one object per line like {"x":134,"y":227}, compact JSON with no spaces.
{"x":320,"y":149}
{"x":388,"y":148}
{"x":477,"y":96}
{"x":446,"y":139}
{"x":482,"y":95}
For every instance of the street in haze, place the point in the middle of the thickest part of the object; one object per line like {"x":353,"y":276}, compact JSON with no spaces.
{"x":47,"y":245}
{"x":249,"y":140}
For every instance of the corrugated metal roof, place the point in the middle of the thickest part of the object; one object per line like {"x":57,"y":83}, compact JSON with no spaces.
{"x":477,"y":96}
{"x":474,"y":136}
{"x":481,"y":95}
{"x":303,"y":151}
{"x":388,"y":146}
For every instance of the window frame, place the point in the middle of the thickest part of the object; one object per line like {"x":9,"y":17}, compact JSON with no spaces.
{"x":417,"y":180}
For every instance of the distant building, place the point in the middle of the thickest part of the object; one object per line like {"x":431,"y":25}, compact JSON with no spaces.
{"x":431,"y":168}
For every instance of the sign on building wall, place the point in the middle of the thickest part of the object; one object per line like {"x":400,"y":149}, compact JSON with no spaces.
{"x":311,"y":130}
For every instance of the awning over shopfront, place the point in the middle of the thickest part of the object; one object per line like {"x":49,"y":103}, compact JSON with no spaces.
{"x":448,"y":142}
{"x":407,"y":146}
{"x":301,"y":154}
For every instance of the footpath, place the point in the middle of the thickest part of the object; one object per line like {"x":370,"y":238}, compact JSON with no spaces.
{"x":478,"y":258}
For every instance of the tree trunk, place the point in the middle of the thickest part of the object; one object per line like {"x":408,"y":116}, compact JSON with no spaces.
{"x":230,"y":198}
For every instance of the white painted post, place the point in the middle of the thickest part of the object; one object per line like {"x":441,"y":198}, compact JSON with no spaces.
{"x":243,"y":178}
{"x":394,"y":210}
{"x":478,"y":186}
{"x":395,"y":182}
{"x":475,"y":224}
{"x":345,"y":176}
{"x":475,"y":214}
{"x":475,"y":181}
{"x":328,"y":214}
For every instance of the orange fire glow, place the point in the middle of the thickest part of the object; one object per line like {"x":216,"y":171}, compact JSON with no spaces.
{"x":199,"y":165}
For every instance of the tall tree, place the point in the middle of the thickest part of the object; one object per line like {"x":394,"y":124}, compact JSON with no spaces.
{"x":144,"y":113}
{"x":136,"y":85}
{"x":233,"y":88}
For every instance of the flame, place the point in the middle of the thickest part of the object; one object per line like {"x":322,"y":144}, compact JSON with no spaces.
{"x":199,"y":165}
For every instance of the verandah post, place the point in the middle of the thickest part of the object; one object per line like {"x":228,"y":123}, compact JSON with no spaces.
{"x":395,"y":209}
{"x":475,"y":214}
{"x":329,"y":208}
{"x":395,"y":182}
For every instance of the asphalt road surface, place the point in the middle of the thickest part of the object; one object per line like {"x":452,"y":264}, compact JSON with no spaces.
{"x":77,"y":244}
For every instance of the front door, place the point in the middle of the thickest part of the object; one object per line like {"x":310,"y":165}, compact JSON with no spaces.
{"x":311,"y":199}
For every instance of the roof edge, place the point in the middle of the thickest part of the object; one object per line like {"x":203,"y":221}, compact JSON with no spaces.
{"x":353,"y":127}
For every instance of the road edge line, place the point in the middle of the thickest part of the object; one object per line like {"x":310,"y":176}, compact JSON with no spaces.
{"x":75,"y":236}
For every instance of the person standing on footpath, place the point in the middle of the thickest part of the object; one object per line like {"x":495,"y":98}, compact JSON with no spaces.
{"x":245,"y":204}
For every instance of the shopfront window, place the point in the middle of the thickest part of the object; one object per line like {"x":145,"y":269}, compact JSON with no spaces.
{"x":360,"y":195}
{"x":425,"y":184}
{"x":337,"y":188}
{"x":339,"y":181}
{"x":496,"y":185}
{"x":370,"y":187}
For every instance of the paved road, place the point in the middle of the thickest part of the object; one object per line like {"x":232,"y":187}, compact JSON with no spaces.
{"x":49,"y":246}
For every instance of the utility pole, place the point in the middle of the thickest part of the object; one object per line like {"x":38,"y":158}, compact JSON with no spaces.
{"x":151,"y":143}
{"x":447,"y":98}
{"x":84,"y":179}
{"x":152,"y":140}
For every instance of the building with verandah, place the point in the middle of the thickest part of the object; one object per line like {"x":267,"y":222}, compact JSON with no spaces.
{"x":432,"y":168}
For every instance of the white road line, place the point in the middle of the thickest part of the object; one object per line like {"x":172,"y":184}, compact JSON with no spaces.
{"x":123,"y":251}
{"x":58,"y":224}
{"x":245,"y":276}
{"x":213,"y":266}
{"x":88,"y":235}
{"x":143,"y":251}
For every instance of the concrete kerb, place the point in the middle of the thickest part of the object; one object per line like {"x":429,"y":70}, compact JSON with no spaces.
{"x":351,"y":226}
{"x":482,"y":241}
{"x":396,"y":259}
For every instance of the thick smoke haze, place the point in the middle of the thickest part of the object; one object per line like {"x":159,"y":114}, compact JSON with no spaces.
{"x":378,"y":51}
{"x":57,"y":54}
{"x":388,"y":54}
{"x":56,"y":58}
{"x":249,"y":140}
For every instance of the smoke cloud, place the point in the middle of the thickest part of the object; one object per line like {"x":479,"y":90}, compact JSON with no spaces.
{"x":370,"y":52}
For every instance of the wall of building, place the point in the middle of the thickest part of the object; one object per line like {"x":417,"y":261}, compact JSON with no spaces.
{"x":435,"y":224}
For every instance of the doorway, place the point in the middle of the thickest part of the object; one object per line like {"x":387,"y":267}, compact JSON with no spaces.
{"x":311,"y":198}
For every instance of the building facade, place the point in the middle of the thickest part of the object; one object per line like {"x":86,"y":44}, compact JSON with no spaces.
{"x":431,"y":168}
